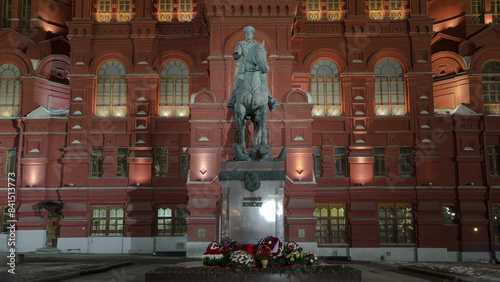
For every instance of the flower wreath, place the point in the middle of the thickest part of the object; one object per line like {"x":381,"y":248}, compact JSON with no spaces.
{"x":213,"y":246}
{"x":292,"y":246}
{"x":212,"y":252}
{"x":274,"y":244}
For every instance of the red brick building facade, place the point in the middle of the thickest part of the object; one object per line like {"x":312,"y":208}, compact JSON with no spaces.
{"x":115,"y":124}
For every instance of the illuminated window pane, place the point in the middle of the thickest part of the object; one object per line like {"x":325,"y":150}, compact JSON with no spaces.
{"x":495,"y":10}
{"x":491,"y":87}
{"x":449,"y":214}
{"x":184,"y":167}
{"x":10,"y":161}
{"x":10,"y":90}
{"x":477,"y":11}
{"x":111,"y":90}
{"x":25,"y":16}
{"x":317,"y":161}
{"x":325,"y":89}
{"x":396,"y":228}
{"x":396,"y":10}
{"x":331,"y":224}
{"x":121,"y":162}
{"x":340,"y":161}
{"x":161,"y":162}
{"x":174,"y":90}
{"x":405,"y":161}
{"x":104,"y":11}
{"x":107,"y":221}
{"x":379,"y":164}
{"x":389,"y":89}
{"x":5,"y":13}
{"x":493,"y":161}
{"x":172,"y":223}
{"x":96,"y":159}
{"x":376,"y":12}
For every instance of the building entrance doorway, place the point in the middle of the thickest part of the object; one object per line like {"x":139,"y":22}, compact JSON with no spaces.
{"x":53,"y":230}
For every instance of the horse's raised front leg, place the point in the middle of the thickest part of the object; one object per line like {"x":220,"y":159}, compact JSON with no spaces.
{"x":257,"y":130}
{"x":262,"y":126}
{"x":240,"y":122}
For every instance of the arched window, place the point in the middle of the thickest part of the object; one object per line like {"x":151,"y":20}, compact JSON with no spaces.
{"x":325,"y":89}
{"x":10,"y":90}
{"x":174,"y":89}
{"x":491,"y":87}
{"x":111,"y":90}
{"x":389,"y":89}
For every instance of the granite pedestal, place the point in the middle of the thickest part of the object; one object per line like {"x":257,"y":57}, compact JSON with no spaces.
{"x":252,"y":200}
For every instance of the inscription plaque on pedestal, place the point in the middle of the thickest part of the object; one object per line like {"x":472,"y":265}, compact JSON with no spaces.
{"x":249,"y":215}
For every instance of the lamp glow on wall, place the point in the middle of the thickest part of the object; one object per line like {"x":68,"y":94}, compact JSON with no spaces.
{"x":299,"y":172}
{"x":203,"y":171}
{"x":299,"y":167}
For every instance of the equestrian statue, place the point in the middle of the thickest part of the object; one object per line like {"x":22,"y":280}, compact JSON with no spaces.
{"x":251,"y":98}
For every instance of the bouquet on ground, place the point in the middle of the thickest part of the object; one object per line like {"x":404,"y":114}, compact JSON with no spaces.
{"x":213,"y":255}
{"x":310,"y":259}
{"x":241,"y":259}
{"x":274,"y":244}
{"x":249,"y":249}
{"x":295,"y":257}
{"x":263,"y":253}
{"x":230,"y":247}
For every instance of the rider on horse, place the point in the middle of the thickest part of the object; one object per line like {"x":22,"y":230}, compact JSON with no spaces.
{"x":241,"y":51}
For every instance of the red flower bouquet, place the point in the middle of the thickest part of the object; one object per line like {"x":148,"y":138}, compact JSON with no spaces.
{"x":249,"y":249}
{"x":264,"y":253}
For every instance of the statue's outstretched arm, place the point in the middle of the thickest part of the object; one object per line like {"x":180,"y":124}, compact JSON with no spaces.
{"x":237,"y":51}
